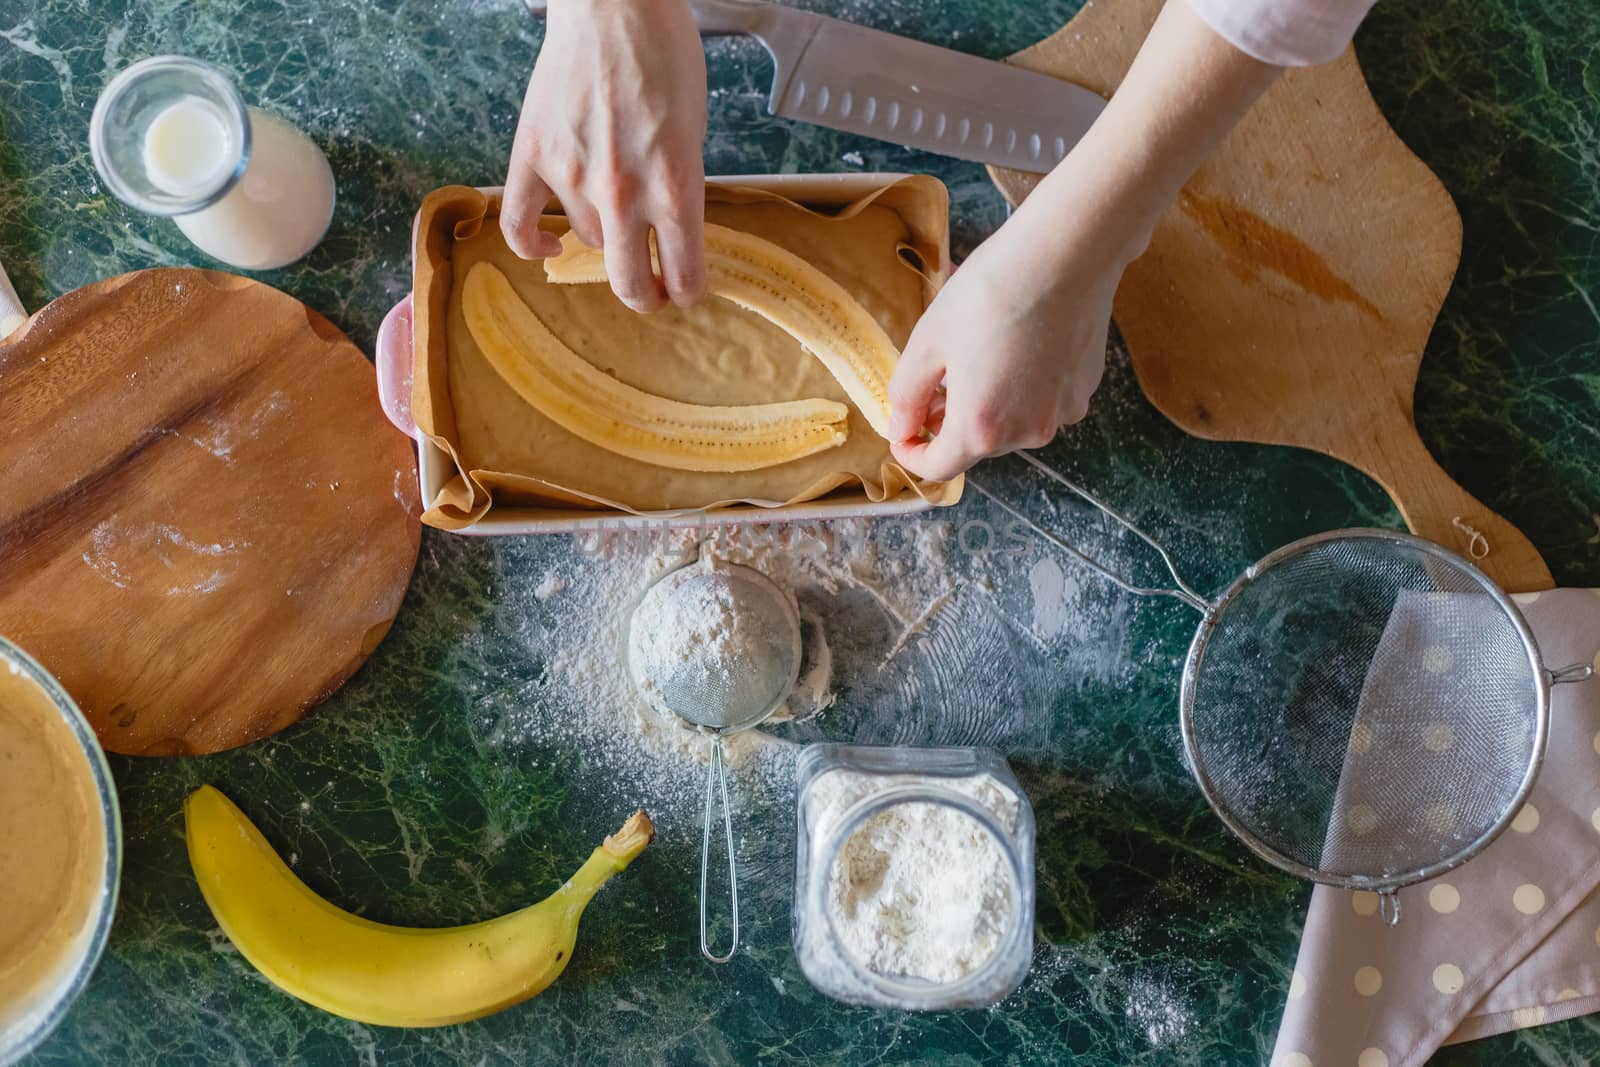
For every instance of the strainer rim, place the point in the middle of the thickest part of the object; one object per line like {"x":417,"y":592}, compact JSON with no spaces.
{"x":742,"y":572}
{"x":1207,"y":628}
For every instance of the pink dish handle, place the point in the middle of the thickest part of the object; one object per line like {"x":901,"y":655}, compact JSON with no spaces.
{"x":394,"y":367}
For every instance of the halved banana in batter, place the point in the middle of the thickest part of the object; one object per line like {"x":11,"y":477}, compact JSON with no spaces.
{"x":585,"y":401}
{"x":791,"y":294}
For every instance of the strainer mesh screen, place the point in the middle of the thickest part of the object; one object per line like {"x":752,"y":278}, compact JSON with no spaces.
{"x":716,"y":646}
{"x":1364,"y":709}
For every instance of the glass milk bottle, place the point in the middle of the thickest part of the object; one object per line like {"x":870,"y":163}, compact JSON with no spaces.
{"x":172,"y":136}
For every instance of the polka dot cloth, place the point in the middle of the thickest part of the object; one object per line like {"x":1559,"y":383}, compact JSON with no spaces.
{"x":1528,"y":899}
{"x":1438,"y":737}
{"x":1508,"y":940}
{"x":1437,"y":660}
{"x":1441,"y":818}
{"x":1444,"y":898}
{"x":1526,"y":1017}
{"x":1360,"y":818}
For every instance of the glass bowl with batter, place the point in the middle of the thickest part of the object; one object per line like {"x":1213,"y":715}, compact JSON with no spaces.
{"x":60,"y":852}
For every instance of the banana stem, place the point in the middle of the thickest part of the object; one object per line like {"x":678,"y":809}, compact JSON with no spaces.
{"x":611,"y":857}
{"x":629,"y":841}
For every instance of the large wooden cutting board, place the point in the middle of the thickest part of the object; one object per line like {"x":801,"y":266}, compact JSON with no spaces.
{"x":207,"y":524}
{"x":1288,"y":296}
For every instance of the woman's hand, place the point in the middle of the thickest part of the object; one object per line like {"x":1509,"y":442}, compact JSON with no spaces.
{"x":613,"y":124}
{"x":1012,"y":348}
{"x":1015,"y":344}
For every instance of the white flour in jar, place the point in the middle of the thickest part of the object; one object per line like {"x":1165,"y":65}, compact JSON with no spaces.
{"x":920,"y":890}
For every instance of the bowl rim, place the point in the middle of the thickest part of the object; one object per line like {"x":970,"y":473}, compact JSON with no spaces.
{"x":41,"y":1023}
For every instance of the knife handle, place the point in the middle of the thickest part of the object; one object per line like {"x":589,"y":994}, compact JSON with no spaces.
{"x":716,"y":18}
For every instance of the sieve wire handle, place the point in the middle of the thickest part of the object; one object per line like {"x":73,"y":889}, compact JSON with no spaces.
{"x":1577,"y":672}
{"x":1183,"y":591}
{"x":717,"y":775}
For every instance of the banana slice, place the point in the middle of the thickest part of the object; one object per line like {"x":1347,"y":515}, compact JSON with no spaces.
{"x":575,"y":395}
{"x":790,"y":293}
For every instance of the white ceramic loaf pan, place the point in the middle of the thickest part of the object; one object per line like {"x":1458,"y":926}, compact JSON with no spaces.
{"x":394,"y":354}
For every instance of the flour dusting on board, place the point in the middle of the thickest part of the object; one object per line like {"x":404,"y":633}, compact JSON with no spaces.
{"x":177,"y":564}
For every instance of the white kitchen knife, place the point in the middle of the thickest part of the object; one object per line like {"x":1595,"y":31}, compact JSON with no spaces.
{"x":837,"y":74}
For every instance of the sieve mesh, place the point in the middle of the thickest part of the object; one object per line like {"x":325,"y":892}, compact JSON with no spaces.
{"x":716,"y":644}
{"x":1365,"y":708}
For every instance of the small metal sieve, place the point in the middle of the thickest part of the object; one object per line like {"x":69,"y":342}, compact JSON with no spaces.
{"x":719,"y":690}
{"x":1363,"y":708}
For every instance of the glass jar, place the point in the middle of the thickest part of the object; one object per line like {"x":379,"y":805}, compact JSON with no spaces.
{"x":843,"y":789}
{"x":172,"y":136}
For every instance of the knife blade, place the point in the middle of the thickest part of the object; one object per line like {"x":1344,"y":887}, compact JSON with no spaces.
{"x":837,"y":74}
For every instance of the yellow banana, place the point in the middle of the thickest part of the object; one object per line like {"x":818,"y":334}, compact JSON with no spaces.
{"x":385,"y":975}
{"x":604,"y":411}
{"x":781,"y":287}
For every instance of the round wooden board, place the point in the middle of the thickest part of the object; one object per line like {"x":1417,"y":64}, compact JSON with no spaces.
{"x":207,"y":523}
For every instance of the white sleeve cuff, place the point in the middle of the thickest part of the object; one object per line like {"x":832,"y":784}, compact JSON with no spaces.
{"x":1285,"y":33}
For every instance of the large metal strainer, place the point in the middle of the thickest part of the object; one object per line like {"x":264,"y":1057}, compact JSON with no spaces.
{"x":1362,"y":708}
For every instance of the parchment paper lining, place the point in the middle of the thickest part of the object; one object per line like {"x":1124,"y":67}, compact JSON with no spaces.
{"x":886,"y":248}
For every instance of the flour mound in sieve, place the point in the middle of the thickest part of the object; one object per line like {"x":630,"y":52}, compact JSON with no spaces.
{"x":688,"y":640}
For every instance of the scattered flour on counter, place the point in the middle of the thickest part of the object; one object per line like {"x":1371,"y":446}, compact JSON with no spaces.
{"x":584,"y":698}
{"x":900,"y":611}
{"x":813,"y":693}
{"x":1054,"y":596}
{"x":579,"y":698}
{"x":1162,"y":1014}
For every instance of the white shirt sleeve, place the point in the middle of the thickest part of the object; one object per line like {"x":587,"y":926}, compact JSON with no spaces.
{"x":1285,"y":33}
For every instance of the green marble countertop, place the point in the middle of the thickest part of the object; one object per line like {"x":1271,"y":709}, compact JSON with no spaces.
{"x":1160,"y":940}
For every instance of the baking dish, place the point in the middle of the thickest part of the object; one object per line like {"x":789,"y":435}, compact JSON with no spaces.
{"x":442,"y":476}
